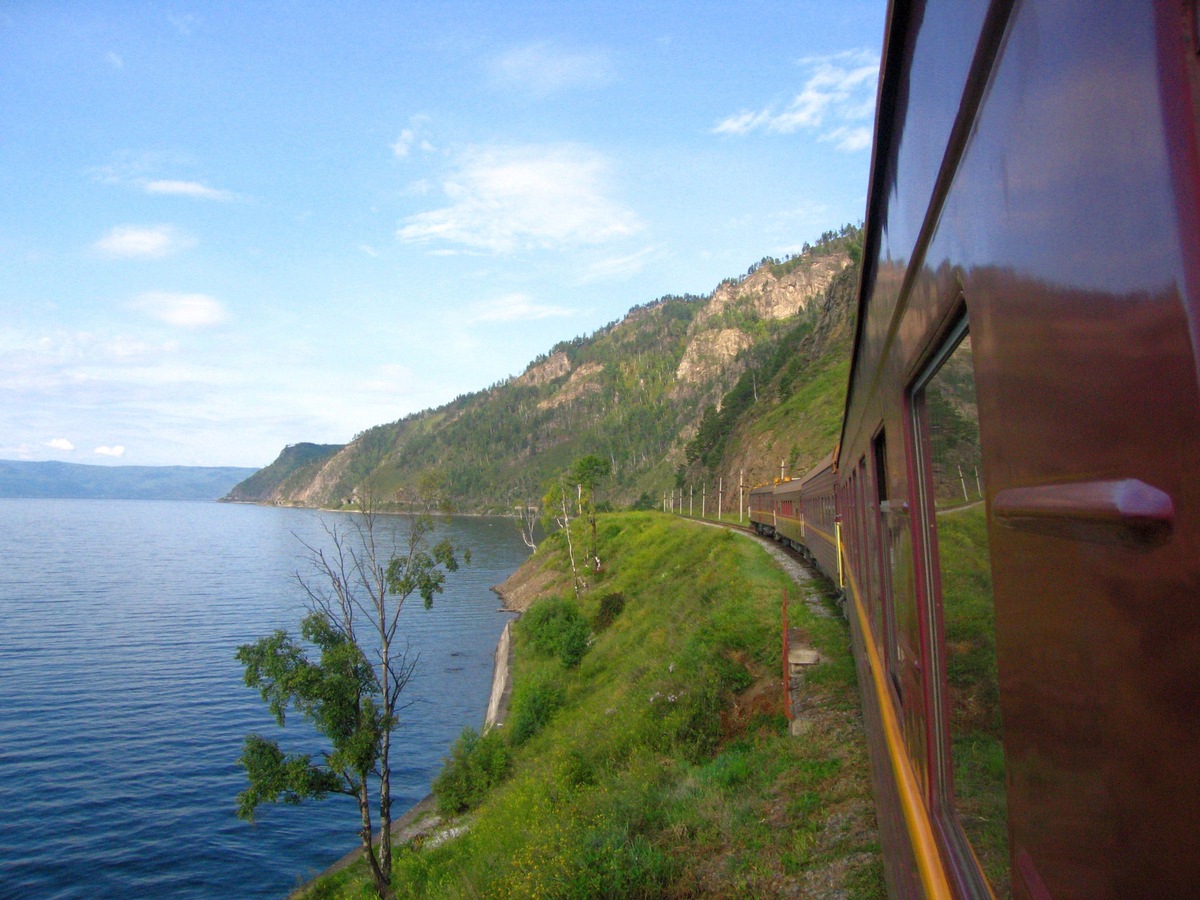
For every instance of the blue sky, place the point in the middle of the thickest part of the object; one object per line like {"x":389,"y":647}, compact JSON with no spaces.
{"x":231,"y":226}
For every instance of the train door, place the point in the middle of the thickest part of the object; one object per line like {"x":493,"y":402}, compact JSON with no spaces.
{"x":967,"y":764}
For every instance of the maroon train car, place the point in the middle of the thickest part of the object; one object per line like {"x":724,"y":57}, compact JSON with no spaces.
{"x":819,"y":512}
{"x":762,"y":509}
{"x":1018,"y":475}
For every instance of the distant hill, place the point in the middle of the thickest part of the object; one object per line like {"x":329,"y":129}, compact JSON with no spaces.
{"x":74,"y":481}
{"x":684,"y":390}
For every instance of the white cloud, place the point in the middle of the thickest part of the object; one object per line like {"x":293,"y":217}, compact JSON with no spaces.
{"x":142,"y":242}
{"x":508,"y":198}
{"x":514,"y":308}
{"x":114,"y":60}
{"x":60,"y":444}
{"x":187,"y":189}
{"x":183,"y":310}
{"x":118,"y":451}
{"x":404,"y":143}
{"x":838,"y":95}
{"x":542,"y":68}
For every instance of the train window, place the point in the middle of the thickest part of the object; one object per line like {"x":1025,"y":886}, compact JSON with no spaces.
{"x":968,"y":761}
{"x":889,"y":530}
{"x":870,"y":561}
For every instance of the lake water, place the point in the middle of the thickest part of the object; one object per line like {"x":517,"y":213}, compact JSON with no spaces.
{"x":122,"y":708}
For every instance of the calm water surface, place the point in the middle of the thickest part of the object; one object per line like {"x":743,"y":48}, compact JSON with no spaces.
{"x":122,"y":709}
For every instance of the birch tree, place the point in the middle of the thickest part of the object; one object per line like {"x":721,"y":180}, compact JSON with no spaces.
{"x":356,"y":586}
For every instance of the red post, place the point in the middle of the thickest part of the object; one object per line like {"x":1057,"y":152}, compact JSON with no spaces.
{"x":787,"y":700}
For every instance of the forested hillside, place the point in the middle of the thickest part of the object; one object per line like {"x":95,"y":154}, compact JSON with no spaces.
{"x":681,"y":390}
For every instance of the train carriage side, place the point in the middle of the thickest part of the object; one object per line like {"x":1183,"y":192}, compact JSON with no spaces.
{"x":819,"y":511}
{"x":789,"y":526}
{"x":1018,"y":473}
{"x":762,"y":509}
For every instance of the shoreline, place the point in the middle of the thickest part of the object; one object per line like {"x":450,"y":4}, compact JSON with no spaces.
{"x":353,"y":509}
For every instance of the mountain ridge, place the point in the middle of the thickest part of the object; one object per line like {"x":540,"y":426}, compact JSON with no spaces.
{"x":641,"y":391}
{"x":24,"y":479}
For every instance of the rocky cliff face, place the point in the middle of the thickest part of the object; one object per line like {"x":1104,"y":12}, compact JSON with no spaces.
{"x":718,"y":336}
{"x":583,"y":381}
{"x":558,"y":365}
{"x":772,"y":296}
{"x":709,"y":353}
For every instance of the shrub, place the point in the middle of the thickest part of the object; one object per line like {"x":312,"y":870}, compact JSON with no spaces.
{"x":573,"y":642}
{"x":533,"y":704}
{"x":697,"y":721}
{"x":476,"y":763}
{"x":557,"y":628}
{"x":611,"y":606}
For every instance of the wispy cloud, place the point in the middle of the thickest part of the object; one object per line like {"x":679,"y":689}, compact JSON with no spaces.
{"x":187,"y":189}
{"x":510,"y":198}
{"x":837,"y":102}
{"x":116,"y":452}
{"x":181,"y":310}
{"x":184,"y":23}
{"x":619,"y":266}
{"x":514,"y":308}
{"x":411,"y":137}
{"x":60,"y":444}
{"x":390,"y":379}
{"x":543,"y":68}
{"x":142,"y":242}
{"x":114,"y":60}
{"x":849,"y":139}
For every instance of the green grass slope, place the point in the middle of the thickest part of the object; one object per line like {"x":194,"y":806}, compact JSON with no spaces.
{"x":647,"y":754}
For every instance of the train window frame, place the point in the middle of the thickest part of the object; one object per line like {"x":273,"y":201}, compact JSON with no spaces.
{"x":941,"y":782}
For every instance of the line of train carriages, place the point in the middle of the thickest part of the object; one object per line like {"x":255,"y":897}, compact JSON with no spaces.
{"x":1013,"y":508}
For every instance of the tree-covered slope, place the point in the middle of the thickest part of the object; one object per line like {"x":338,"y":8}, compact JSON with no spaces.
{"x":785,"y":411}
{"x":635,"y":392}
{"x":295,"y":465}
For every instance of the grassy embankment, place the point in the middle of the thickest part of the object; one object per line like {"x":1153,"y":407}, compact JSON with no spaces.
{"x":652,"y":757}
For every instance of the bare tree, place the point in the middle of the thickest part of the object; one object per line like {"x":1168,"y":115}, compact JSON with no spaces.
{"x":558,"y":509}
{"x":527,"y":519}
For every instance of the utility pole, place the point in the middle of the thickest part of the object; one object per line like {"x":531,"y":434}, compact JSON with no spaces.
{"x":691,"y":499}
{"x":741,"y":484}
{"x":703,"y":500}
{"x":720,"y":496}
